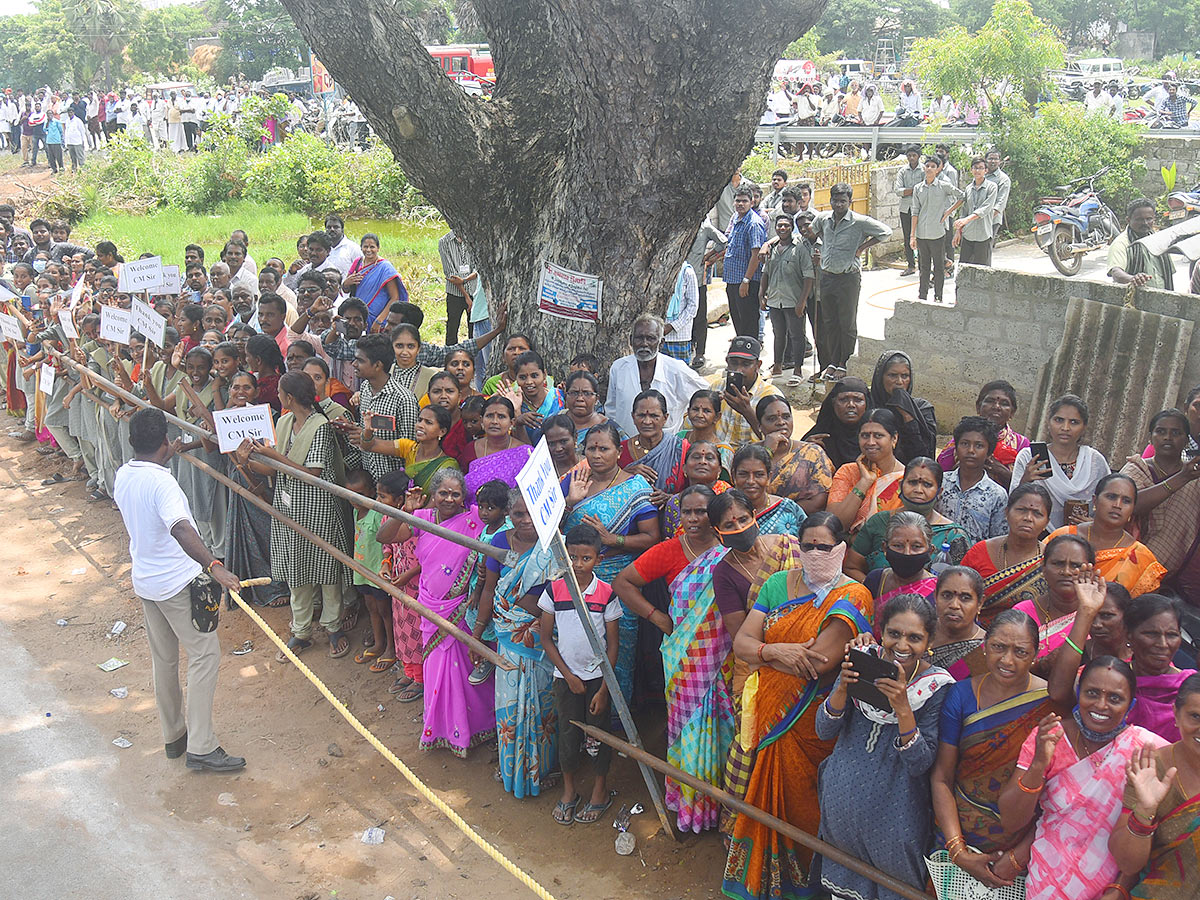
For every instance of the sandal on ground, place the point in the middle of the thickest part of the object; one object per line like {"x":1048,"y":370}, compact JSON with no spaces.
{"x":350,"y":620}
{"x":279,"y":602}
{"x":400,"y":684}
{"x":56,"y":478}
{"x":591,"y":813}
{"x":365,"y":656}
{"x":296,"y":645}
{"x":383,"y":664}
{"x":564,"y":813}
{"x":411,"y":693}
{"x":339,"y":644}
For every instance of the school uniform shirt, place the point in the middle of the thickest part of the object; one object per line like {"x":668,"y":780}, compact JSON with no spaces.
{"x":978,"y":509}
{"x":151,"y":504}
{"x":840,"y":240}
{"x":1003,"y":189}
{"x":930,"y":202}
{"x":980,"y":200}
{"x":570,"y":637}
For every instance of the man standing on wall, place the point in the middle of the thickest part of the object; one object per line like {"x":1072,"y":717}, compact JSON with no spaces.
{"x":934,"y":201}
{"x":907,"y":178}
{"x":741,"y":274}
{"x":1003,"y":189}
{"x":973,"y":232}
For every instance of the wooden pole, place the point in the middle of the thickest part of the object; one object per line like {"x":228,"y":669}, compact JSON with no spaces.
{"x":741,"y":807}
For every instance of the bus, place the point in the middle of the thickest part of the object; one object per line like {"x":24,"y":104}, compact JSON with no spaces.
{"x":458,"y":60}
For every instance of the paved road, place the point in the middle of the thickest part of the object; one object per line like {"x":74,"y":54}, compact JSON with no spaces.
{"x":68,"y":831}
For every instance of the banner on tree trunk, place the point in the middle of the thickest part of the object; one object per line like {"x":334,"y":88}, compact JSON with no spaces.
{"x":569,"y":294}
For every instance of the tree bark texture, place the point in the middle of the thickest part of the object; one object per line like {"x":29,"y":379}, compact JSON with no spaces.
{"x":614,"y":126}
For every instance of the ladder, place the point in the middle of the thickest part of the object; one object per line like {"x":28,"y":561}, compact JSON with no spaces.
{"x":885,"y":56}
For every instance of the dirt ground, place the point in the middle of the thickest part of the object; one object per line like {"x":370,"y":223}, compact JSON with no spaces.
{"x":68,"y":559}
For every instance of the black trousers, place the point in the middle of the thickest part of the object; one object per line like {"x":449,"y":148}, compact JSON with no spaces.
{"x":931,"y":254}
{"x":54,"y":156}
{"x":15,"y":134}
{"x":977,"y":252}
{"x":743,"y":310}
{"x":456,"y":309}
{"x":949,"y":241}
{"x":190,"y":130}
{"x":788,"y":331}
{"x":906,"y":227}
{"x":837,"y":317}
{"x":700,"y":323}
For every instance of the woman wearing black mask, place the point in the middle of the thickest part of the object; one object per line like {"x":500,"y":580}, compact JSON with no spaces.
{"x":907,"y":550}
{"x":919,"y":491}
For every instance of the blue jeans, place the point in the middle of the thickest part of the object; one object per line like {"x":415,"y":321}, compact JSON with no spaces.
{"x":478,"y":329}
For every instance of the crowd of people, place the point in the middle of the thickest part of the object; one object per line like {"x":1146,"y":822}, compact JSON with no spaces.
{"x":979,"y":641}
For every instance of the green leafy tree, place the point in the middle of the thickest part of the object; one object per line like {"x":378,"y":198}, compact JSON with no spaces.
{"x":256,"y":36}
{"x":160,"y":43}
{"x":1175,"y":23}
{"x":107,"y":25}
{"x":38,"y":48}
{"x":1005,"y":61}
{"x":854,"y":26}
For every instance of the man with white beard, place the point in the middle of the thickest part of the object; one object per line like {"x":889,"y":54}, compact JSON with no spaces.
{"x":648,"y":368}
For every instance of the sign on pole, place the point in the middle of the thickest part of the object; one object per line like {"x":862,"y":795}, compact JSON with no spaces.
{"x":543,"y":495}
{"x":140,"y":275}
{"x":10,"y":327}
{"x":235,"y":425}
{"x":46,"y":379}
{"x":115,"y":324}
{"x":171,"y":283}
{"x":148,"y":322}
{"x":68,"y":326}
{"x":322,"y":81}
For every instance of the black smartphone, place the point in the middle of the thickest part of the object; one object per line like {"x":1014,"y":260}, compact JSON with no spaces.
{"x":735,"y":379}
{"x":871,"y":668}
{"x":1040,"y":450}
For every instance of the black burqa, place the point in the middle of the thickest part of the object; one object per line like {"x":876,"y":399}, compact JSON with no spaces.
{"x":842,"y":444}
{"x":918,"y":424}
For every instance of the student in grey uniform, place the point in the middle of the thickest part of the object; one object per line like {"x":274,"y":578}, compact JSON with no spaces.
{"x":934,"y":201}
{"x":974,"y":231}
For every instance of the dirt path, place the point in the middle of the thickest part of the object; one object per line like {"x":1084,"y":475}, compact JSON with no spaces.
{"x":65,"y":558}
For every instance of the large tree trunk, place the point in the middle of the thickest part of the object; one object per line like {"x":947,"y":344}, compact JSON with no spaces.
{"x":613,"y":128}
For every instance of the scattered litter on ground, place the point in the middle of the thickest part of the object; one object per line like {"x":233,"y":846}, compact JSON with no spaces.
{"x":62,"y":622}
{"x":118,"y":628}
{"x":373,"y":836}
{"x":226,"y":799}
{"x":246,"y":647}
{"x":300,"y":821}
{"x":335,"y":750}
{"x":123,"y":743}
{"x":111,"y":665}
{"x":120,"y":692}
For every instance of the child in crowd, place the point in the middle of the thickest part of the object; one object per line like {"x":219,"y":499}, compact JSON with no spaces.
{"x":401,"y":568}
{"x":579,"y":689}
{"x":368,"y":551}
{"x":492,"y":500}
{"x":467,"y":430}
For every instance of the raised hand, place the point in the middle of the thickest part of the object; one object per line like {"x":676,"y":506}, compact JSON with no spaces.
{"x":1141,"y":773}
{"x":1050,"y":732}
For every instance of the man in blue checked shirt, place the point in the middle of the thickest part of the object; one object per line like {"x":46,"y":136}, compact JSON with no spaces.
{"x":747,"y":234}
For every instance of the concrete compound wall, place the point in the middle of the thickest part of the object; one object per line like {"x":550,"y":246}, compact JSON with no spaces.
{"x":1004,"y":325}
{"x":1162,"y":150}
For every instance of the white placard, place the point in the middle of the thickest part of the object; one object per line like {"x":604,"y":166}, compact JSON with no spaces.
{"x":171,"y":283}
{"x":543,"y":495}
{"x":6,"y":295}
{"x":46,"y":379}
{"x":77,"y":292}
{"x":140,"y":275}
{"x":148,"y":322}
{"x":114,"y":324}
{"x":10,"y":327}
{"x":235,"y":425}
{"x":569,"y":294}
{"x":68,"y":326}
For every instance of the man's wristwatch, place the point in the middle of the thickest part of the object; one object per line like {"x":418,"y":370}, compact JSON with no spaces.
{"x":745,"y":281}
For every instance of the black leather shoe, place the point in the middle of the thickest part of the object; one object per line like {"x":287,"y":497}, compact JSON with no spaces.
{"x":217,"y":761}
{"x":175,"y":748}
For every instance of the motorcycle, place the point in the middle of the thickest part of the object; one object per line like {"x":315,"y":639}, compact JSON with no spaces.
{"x":1067,"y":227}
{"x":1183,"y":204}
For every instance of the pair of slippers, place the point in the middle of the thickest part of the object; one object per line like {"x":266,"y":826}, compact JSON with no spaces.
{"x":564,"y":813}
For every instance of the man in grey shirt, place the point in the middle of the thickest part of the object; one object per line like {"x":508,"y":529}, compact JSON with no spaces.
{"x":786,"y":285}
{"x":948,"y":172}
{"x":973,"y":232}
{"x":1003,"y":188}
{"x":907,"y":178}
{"x":934,"y":200}
{"x":698,"y":257}
{"x":844,"y":236}
{"x":457,"y":268}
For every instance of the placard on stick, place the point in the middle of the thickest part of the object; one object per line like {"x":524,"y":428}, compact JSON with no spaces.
{"x":140,"y":275}
{"x":171,"y":283}
{"x":236,"y":425}
{"x":10,"y":327}
{"x":68,"y":325}
{"x":148,"y":322}
{"x":46,"y":379}
{"x":543,"y":495}
{"x":115,"y":324}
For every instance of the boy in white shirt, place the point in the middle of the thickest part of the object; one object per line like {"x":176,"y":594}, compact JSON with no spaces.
{"x":579,"y":689}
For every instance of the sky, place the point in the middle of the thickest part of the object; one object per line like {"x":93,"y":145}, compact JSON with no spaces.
{"x":12,"y":7}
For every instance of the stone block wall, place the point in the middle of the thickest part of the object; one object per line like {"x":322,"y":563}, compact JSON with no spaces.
{"x":885,"y":206}
{"x":1162,"y":150}
{"x":1004,"y":325}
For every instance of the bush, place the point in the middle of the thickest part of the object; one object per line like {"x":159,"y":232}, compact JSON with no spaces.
{"x":1061,"y":144}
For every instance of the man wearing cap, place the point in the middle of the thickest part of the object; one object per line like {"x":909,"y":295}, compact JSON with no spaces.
{"x":738,"y":424}
{"x":648,"y":368}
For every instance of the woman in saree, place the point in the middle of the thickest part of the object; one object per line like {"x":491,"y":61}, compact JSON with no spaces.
{"x":458,"y":714}
{"x":1152,"y":623}
{"x":1074,"y":770}
{"x":997,"y":402}
{"x":656,"y":456}
{"x":617,"y":505}
{"x":559,"y":431}
{"x":697,"y":665}
{"x":838,"y":419}
{"x":751,"y":476}
{"x":497,"y":455}
{"x":800,"y":470}
{"x":703,"y":414}
{"x":919,"y":490}
{"x":1119,"y":556}
{"x":1158,"y":832}
{"x":1065,"y":558}
{"x":796,"y":634}
{"x":871,"y":482}
{"x":248,"y":528}
{"x":701,"y":466}
{"x":1167,"y":502}
{"x":909,"y":549}
{"x":423,"y":457}
{"x":957,"y":644}
{"x":374,"y":280}
{"x":892,"y":385}
{"x":1011,"y":565}
{"x":985,"y":720}
{"x":582,"y":392}
{"x":526,"y":725}
{"x":540,"y":399}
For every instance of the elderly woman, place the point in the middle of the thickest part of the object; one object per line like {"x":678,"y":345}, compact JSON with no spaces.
{"x":1073,"y":468}
{"x":751,"y":475}
{"x":892,"y":385}
{"x":997,"y":402}
{"x":836,"y":425}
{"x":1011,"y":564}
{"x":871,"y":482}
{"x":582,"y":392}
{"x":957,"y":644}
{"x":305,"y":439}
{"x":795,"y":633}
{"x":703,"y":415}
{"x":656,"y":456}
{"x":1119,"y":556}
{"x":1064,"y":559}
{"x":374,"y":280}
{"x":800,"y":470}
{"x":701,"y":465}
{"x":908,"y":550}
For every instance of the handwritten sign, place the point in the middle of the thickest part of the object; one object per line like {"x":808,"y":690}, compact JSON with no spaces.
{"x":68,"y":326}
{"x":171,"y":283}
{"x":46,"y":379}
{"x":236,"y":425}
{"x":115,"y":324}
{"x":10,"y":327}
{"x":148,"y":322}
{"x":141,"y":275}
{"x":569,"y":294}
{"x":543,"y":495}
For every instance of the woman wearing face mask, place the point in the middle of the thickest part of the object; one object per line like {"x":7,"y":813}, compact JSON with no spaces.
{"x":701,"y":465}
{"x":841,"y":413}
{"x":1074,"y":468}
{"x":1074,"y":770}
{"x":918,"y":494}
{"x":957,"y":644}
{"x":1066,"y":558}
{"x":1011,"y":564}
{"x":695,"y":652}
{"x":882,"y":757}
{"x":1158,"y":831}
{"x":908,"y":551}
{"x":796,"y":634}
{"x":892,"y":386}
{"x":751,"y":476}
{"x":1119,"y":556}
{"x":800,"y":470}
{"x":871,"y":483}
